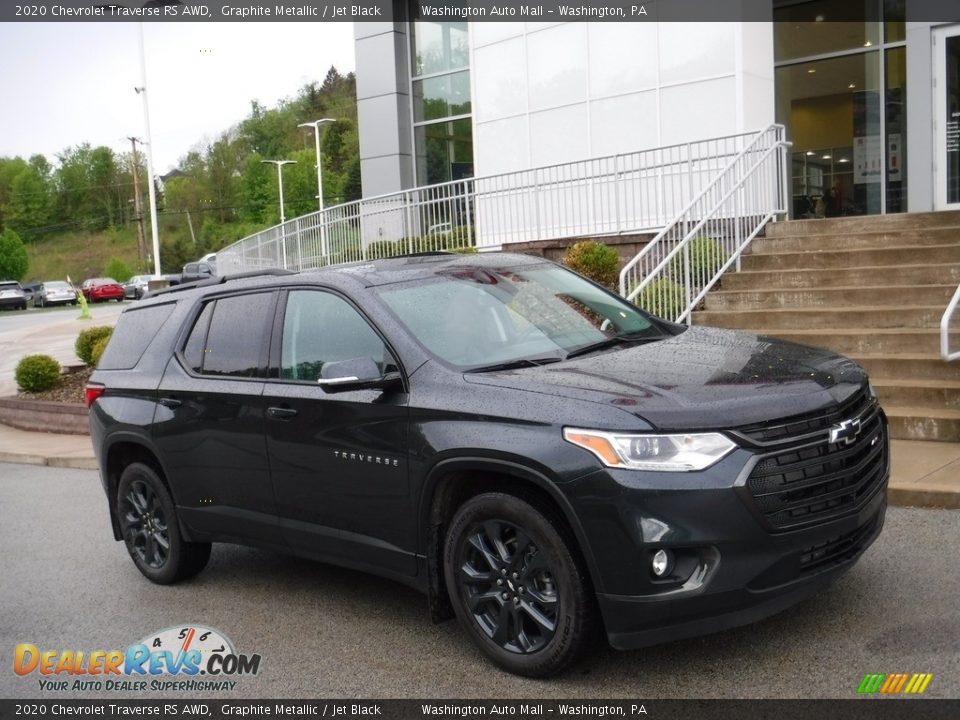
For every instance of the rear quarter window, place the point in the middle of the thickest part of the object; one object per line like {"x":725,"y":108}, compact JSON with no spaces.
{"x":133,"y":333}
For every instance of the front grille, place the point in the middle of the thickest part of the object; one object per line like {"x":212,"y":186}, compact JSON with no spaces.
{"x":817,"y":480}
{"x":836,"y":550}
{"x":798,"y":426}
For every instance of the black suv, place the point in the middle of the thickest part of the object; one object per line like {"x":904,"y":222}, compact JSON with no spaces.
{"x":537,"y":455}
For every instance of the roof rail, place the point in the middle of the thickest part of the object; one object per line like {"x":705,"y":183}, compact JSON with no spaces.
{"x":218,"y":280}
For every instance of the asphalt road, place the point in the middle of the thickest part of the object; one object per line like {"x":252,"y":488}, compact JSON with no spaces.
{"x":51,"y":331}
{"x":326,"y":632}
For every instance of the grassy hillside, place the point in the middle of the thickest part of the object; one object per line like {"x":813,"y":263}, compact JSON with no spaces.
{"x":81,"y":255}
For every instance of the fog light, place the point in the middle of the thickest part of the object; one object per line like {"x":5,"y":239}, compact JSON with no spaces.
{"x":662,"y":561}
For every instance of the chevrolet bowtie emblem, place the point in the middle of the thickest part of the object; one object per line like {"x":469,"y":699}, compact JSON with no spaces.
{"x":846,"y":431}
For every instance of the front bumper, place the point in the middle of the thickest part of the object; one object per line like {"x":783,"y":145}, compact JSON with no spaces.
{"x":736,"y":559}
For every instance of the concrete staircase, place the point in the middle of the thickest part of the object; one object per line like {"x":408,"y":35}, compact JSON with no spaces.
{"x":872,"y":288}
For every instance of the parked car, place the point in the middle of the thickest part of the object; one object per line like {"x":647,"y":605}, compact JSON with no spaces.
{"x":136,"y":287}
{"x":97,"y":289}
{"x":197,"y":271}
{"x":30,"y":289}
{"x":11,"y":295}
{"x":537,"y":455}
{"x":55,"y":292}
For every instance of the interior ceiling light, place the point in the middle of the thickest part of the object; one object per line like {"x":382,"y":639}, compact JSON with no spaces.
{"x":811,"y":71}
{"x":852,"y":85}
{"x":868,"y":44}
{"x":810,"y":152}
{"x":826,"y":157}
{"x":843,"y":160}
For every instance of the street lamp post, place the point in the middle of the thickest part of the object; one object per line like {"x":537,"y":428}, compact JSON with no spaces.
{"x":283,"y":234}
{"x":323,"y":223}
{"x":151,"y":183}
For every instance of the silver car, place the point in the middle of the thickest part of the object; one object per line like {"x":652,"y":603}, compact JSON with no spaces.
{"x":11,"y":295}
{"x":55,"y":292}
{"x":135,"y":287}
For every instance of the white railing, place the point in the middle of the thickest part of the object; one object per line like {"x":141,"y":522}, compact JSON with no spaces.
{"x":626,"y":193}
{"x":945,"y":329}
{"x":675,"y":270}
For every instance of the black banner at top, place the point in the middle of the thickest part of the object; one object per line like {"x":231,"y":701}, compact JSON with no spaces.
{"x":484,"y":10}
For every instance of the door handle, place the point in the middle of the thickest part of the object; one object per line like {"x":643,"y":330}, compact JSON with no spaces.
{"x":170,"y":402}
{"x":281,"y":413}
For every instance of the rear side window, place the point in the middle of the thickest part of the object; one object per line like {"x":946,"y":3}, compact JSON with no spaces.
{"x":133,"y":333}
{"x":228,"y":337}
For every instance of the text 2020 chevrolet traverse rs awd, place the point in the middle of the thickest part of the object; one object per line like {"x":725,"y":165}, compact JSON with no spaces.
{"x":537,"y":455}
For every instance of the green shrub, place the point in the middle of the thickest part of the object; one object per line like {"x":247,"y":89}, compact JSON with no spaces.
{"x":97,"y":350}
{"x":469,"y":250}
{"x":595,"y":260}
{"x":664,"y":298}
{"x":706,"y":257}
{"x":118,"y":270}
{"x":381,"y":249}
{"x":86,"y":340}
{"x":36,"y":373}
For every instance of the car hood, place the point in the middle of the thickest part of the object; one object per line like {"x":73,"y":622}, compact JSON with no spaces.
{"x":701,"y":378}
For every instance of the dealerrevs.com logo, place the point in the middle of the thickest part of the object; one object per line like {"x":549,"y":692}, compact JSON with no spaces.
{"x":180,"y":658}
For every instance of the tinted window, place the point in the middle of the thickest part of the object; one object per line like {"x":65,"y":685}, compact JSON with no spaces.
{"x":235,"y":338}
{"x":133,"y":333}
{"x":193,"y":352}
{"x":320,"y":327}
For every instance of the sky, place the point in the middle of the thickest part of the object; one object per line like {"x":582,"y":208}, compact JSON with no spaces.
{"x":68,"y":83}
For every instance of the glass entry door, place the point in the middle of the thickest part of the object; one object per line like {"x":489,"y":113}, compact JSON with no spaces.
{"x":946,"y":73}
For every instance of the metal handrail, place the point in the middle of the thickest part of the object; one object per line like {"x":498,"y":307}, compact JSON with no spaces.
{"x":725,"y":217}
{"x":631,"y":192}
{"x":945,"y":329}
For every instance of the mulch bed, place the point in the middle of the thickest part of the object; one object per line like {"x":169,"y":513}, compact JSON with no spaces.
{"x":70,"y":389}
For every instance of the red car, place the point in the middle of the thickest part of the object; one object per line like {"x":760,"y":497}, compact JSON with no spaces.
{"x":97,"y":289}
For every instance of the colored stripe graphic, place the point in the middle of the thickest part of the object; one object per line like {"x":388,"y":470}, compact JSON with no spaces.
{"x":894,"y":683}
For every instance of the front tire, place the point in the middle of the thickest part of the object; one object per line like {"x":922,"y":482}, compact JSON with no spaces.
{"x":150,"y":531}
{"x":516,"y":585}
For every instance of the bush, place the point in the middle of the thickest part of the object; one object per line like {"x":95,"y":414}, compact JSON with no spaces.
{"x":706,"y":257}
{"x":595,"y":260}
{"x":13,"y":256}
{"x":381,"y":249}
{"x":36,"y":373}
{"x":86,"y":340}
{"x":97,"y":350}
{"x":118,"y":270}
{"x":664,"y":298}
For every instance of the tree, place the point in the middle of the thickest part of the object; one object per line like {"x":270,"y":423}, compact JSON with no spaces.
{"x":118,"y":270}
{"x":28,"y":211}
{"x":13,"y":256}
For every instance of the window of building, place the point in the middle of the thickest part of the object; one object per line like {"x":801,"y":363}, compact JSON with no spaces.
{"x":841,"y":93}
{"x":440,"y":91}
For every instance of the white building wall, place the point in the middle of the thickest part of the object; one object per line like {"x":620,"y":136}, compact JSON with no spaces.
{"x":546,"y":93}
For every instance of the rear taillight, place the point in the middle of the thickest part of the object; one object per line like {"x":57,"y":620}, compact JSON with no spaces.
{"x":94,"y":390}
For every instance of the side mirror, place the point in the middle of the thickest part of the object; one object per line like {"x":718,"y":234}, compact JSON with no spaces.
{"x":359,"y":373}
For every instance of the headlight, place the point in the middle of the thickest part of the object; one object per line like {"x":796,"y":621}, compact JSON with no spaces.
{"x":666,"y":453}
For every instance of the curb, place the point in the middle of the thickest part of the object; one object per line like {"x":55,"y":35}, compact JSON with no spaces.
{"x":73,"y":463}
{"x":919,"y":497}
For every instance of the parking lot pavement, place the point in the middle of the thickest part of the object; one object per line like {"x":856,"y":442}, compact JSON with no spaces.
{"x":51,"y":331}
{"x":324,"y":631}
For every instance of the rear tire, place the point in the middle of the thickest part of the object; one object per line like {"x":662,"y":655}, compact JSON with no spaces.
{"x":150,"y":530}
{"x":516,"y":585}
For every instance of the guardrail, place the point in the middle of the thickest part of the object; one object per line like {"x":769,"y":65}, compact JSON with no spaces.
{"x":945,"y":329}
{"x":626,"y":193}
{"x":675,"y":270}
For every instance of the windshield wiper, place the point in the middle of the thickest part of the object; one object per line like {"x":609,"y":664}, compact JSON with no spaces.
{"x":514,"y":364}
{"x":610,"y":342}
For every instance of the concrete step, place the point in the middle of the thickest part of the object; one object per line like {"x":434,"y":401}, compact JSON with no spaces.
{"x":788,"y":319}
{"x":822,"y":259}
{"x":918,"y":366}
{"x":932,"y":274}
{"x":864,"y":223}
{"x":857,"y":241}
{"x":918,"y":422}
{"x":913,"y":392}
{"x":897,"y":296}
{"x":858,"y":341}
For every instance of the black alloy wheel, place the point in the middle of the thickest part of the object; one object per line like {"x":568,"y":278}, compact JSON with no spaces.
{"x":150,"y":530}
{"x":517,"y":585}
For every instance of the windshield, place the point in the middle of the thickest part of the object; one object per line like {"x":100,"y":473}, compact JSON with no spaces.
{"x":57,"y":286}
{"x":478,"y":316}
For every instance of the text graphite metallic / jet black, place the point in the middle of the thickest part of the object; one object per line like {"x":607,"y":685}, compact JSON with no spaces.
{"x":537,"y":455}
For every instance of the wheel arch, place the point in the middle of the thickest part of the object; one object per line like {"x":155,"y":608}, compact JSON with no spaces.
{"x":123,"y":450}
{"x":451,"y":482}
